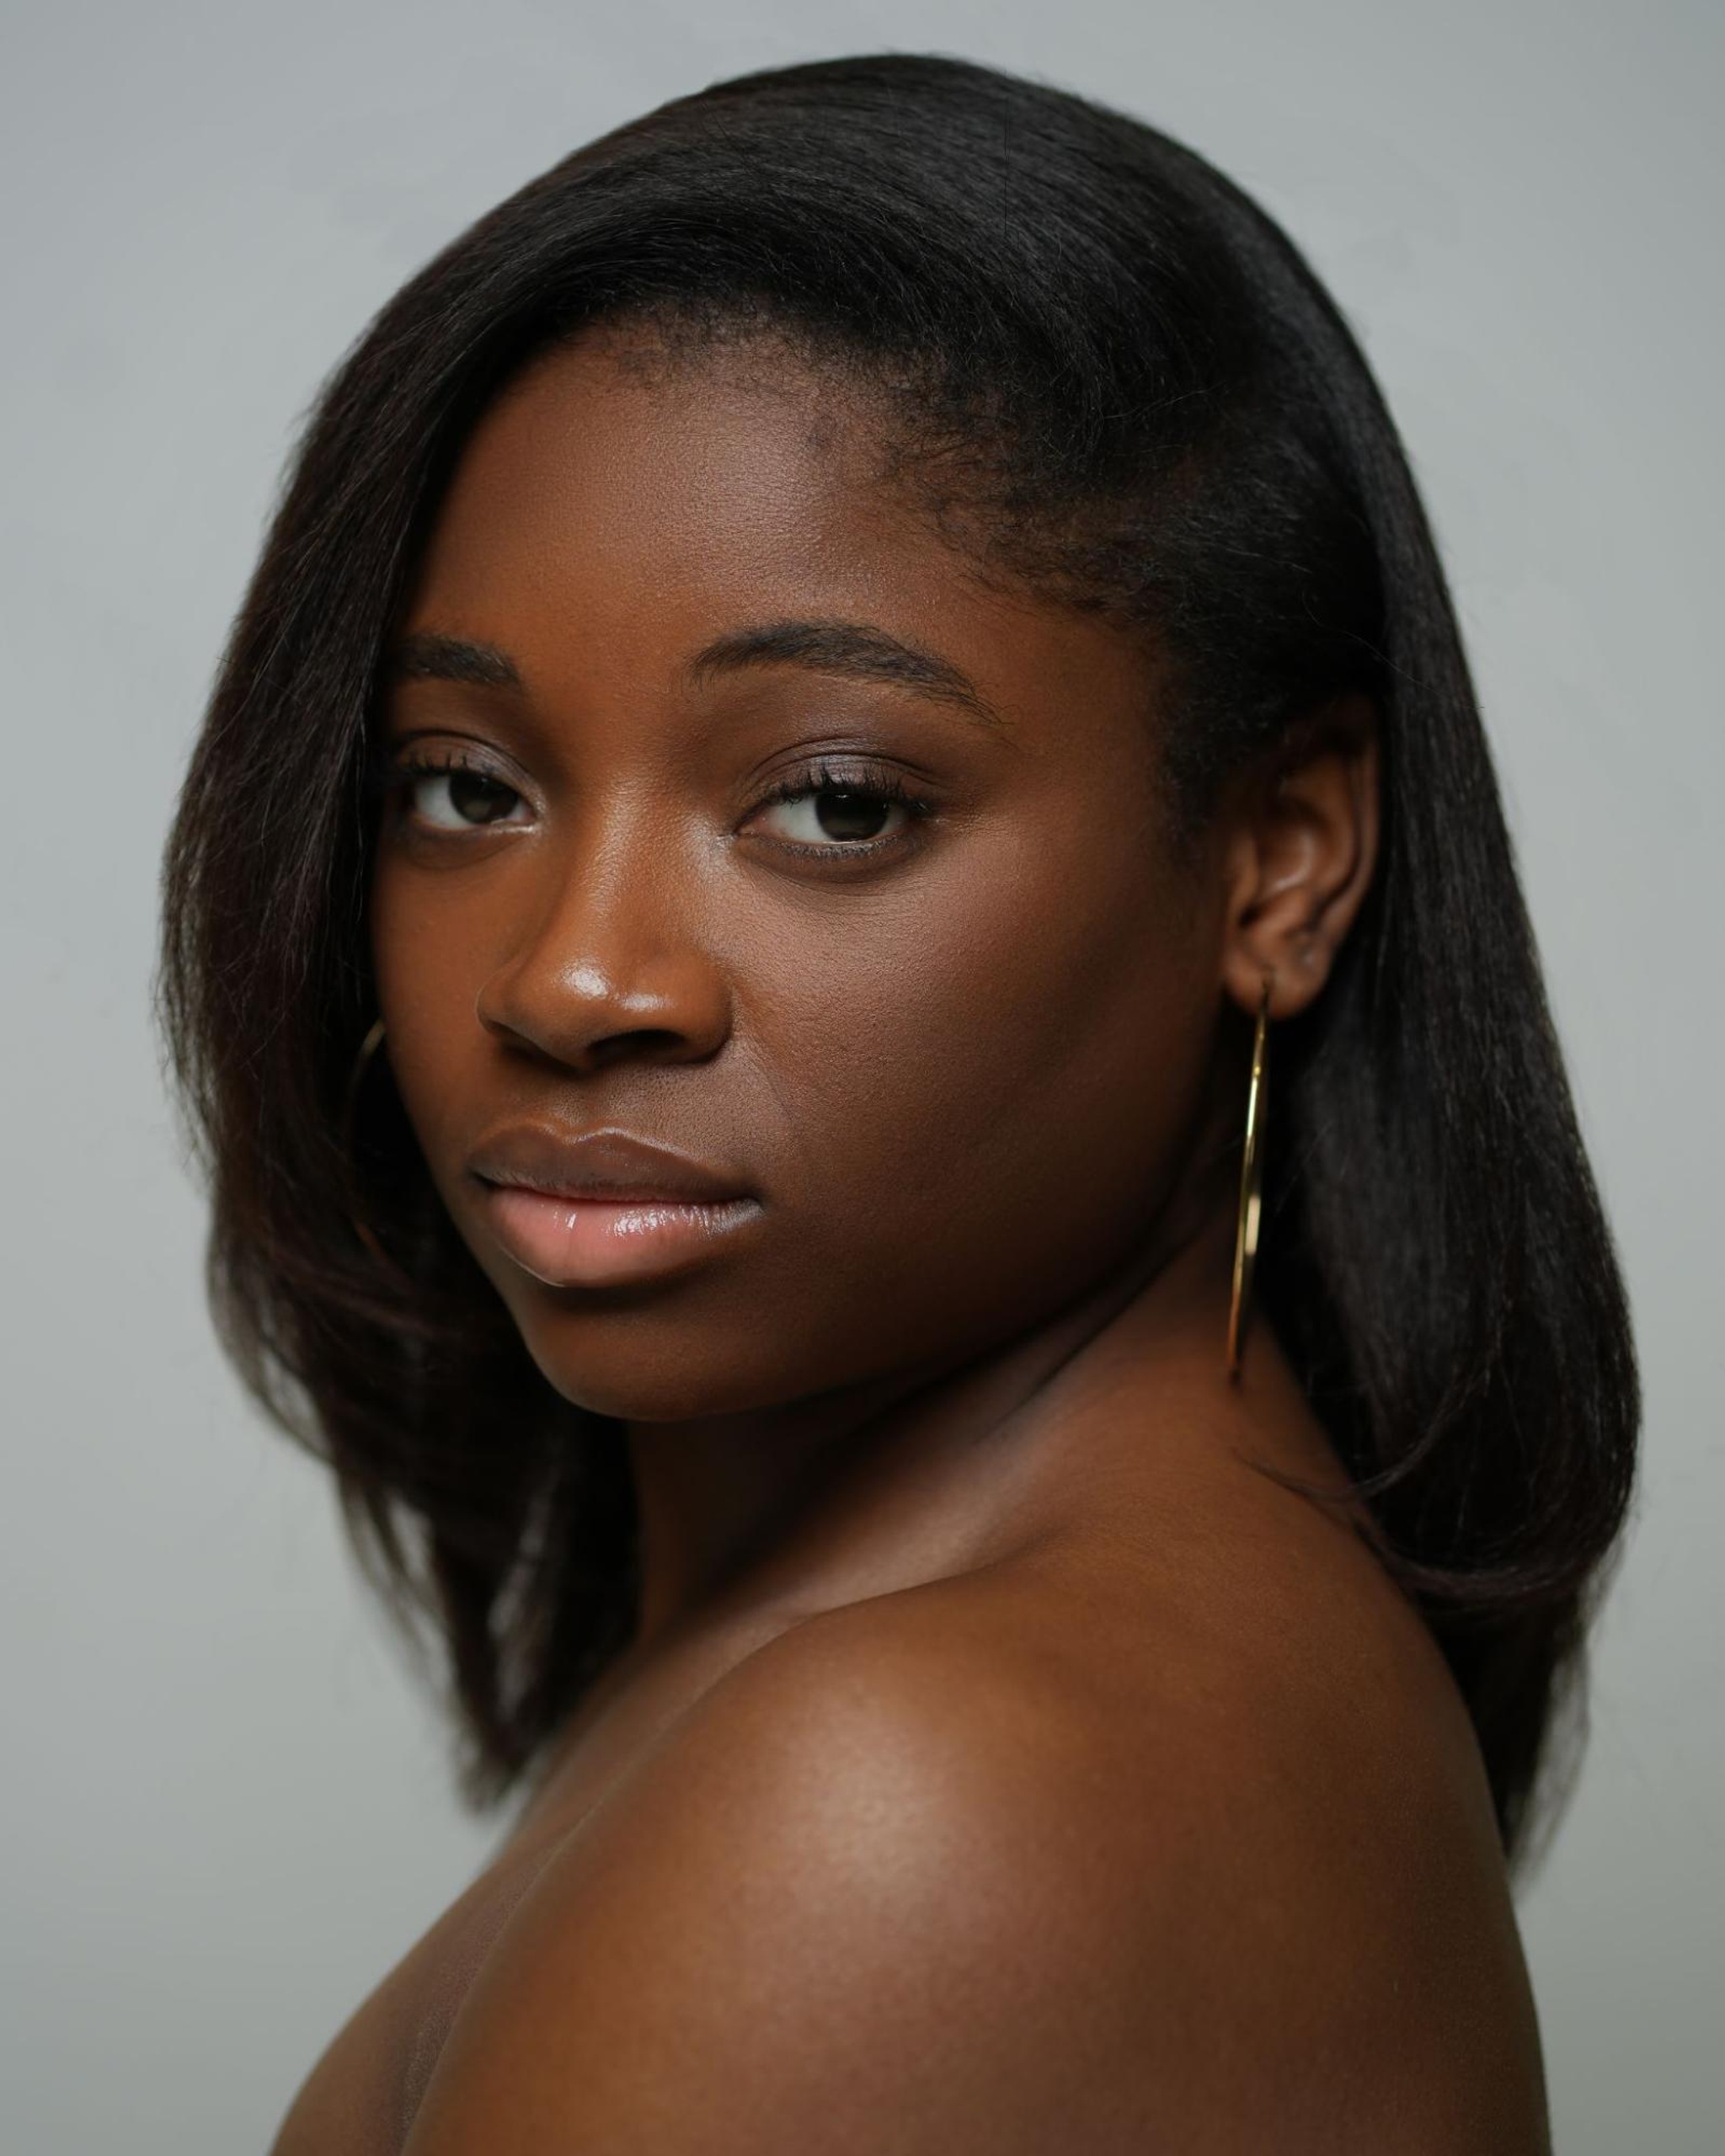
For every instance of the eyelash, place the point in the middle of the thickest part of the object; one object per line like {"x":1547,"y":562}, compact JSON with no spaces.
{"x":860,"y":781}
{"x":864,"y":782}
{"x":399,"y":774}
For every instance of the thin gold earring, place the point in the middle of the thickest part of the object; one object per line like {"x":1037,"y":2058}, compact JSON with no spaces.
{"x":356,"y":1077}
{"x":1251,"y":1181}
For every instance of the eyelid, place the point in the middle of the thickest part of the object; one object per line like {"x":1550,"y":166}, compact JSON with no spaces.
{"x":389,"y":760}
{"x":841,"y":771}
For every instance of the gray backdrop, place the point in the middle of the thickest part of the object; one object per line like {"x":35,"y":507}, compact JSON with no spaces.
{"x":227,"y":1811}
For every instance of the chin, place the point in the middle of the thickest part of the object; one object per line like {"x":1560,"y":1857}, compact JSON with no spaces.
{"x":638,"y":1370}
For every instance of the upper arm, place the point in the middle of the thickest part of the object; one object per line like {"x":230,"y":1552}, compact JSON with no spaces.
{"x":835,"y":1911}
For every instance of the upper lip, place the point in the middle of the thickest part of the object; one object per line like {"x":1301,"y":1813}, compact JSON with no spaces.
{"x":606,"y":1164}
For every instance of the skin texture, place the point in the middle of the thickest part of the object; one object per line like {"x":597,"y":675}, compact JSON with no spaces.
{"x":1001,"y":1763}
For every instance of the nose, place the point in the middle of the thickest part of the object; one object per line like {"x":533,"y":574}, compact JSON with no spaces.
{"x":609,"y":961}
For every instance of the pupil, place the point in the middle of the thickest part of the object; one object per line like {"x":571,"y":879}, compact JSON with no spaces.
{"x":480,"y":800}
{"x":855,"y":815}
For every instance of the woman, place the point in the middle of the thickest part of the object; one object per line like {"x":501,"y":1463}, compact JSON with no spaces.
{"x":848,"y":771}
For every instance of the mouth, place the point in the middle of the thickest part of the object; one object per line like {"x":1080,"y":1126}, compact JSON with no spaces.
{"x":603,"y":1208}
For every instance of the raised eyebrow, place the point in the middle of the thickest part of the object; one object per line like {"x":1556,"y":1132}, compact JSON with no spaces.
{"x":858,"y":648}
{"x":427,"y":655}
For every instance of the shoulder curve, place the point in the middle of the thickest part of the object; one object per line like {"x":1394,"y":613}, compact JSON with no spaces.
{"x":842,"y":1871}
{"x":894,"y":1881}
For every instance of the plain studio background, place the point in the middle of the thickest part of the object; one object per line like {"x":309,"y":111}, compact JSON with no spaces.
{"x":229,"y":1812}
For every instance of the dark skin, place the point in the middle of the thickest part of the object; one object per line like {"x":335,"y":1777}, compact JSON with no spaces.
{"x":1001,"y":1763}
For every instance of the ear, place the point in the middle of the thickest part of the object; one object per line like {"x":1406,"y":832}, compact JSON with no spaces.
{"x":1301,"y":847}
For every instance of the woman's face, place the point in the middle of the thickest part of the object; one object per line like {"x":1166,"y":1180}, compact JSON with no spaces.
{"x":677,"y":641}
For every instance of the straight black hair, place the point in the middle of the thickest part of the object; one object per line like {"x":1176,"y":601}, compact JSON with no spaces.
{"x":1114,"y":376}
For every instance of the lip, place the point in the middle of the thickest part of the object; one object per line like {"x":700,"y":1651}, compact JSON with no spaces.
{"x":593,"y":1208}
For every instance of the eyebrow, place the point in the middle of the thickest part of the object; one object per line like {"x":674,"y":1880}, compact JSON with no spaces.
{"x":859,"y":650}
{"x":426,"y":656}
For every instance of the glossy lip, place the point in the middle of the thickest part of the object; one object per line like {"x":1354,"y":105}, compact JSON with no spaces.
{"x":595,"y":1209}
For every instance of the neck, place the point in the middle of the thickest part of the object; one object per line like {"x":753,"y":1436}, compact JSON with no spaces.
{"x":847,"y":1495}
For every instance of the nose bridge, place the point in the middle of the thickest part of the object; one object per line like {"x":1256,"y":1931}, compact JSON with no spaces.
{"x":611,"y":942}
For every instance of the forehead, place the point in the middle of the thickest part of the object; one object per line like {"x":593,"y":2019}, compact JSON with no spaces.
{"x":622,"y":504}
{"x":618,"y":466}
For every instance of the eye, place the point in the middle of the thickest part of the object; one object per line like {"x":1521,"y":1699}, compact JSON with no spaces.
{"x":453,"y":795}
{"x":832,"y":808}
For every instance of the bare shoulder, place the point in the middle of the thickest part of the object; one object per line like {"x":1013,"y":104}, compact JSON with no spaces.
{"x":963,"y":1869}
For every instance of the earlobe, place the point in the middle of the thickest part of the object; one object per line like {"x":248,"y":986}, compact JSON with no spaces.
{"x":1301,"y":857}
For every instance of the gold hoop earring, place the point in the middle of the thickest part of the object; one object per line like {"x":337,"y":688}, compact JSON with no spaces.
{"x":351,"y":1101}
{"x":1251,"y":1181}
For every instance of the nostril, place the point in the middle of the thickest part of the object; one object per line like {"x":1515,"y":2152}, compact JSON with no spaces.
{"x":647,"y":1037}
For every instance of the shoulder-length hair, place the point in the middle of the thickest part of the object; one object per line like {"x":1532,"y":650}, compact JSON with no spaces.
{"x":1128,"y":384}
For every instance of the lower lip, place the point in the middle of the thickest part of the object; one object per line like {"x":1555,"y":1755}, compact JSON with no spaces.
{"x":570,"y":1242}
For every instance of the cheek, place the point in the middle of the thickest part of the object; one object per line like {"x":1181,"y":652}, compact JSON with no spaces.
{"x":429,"y":962}
{"x":994,"y":1073}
